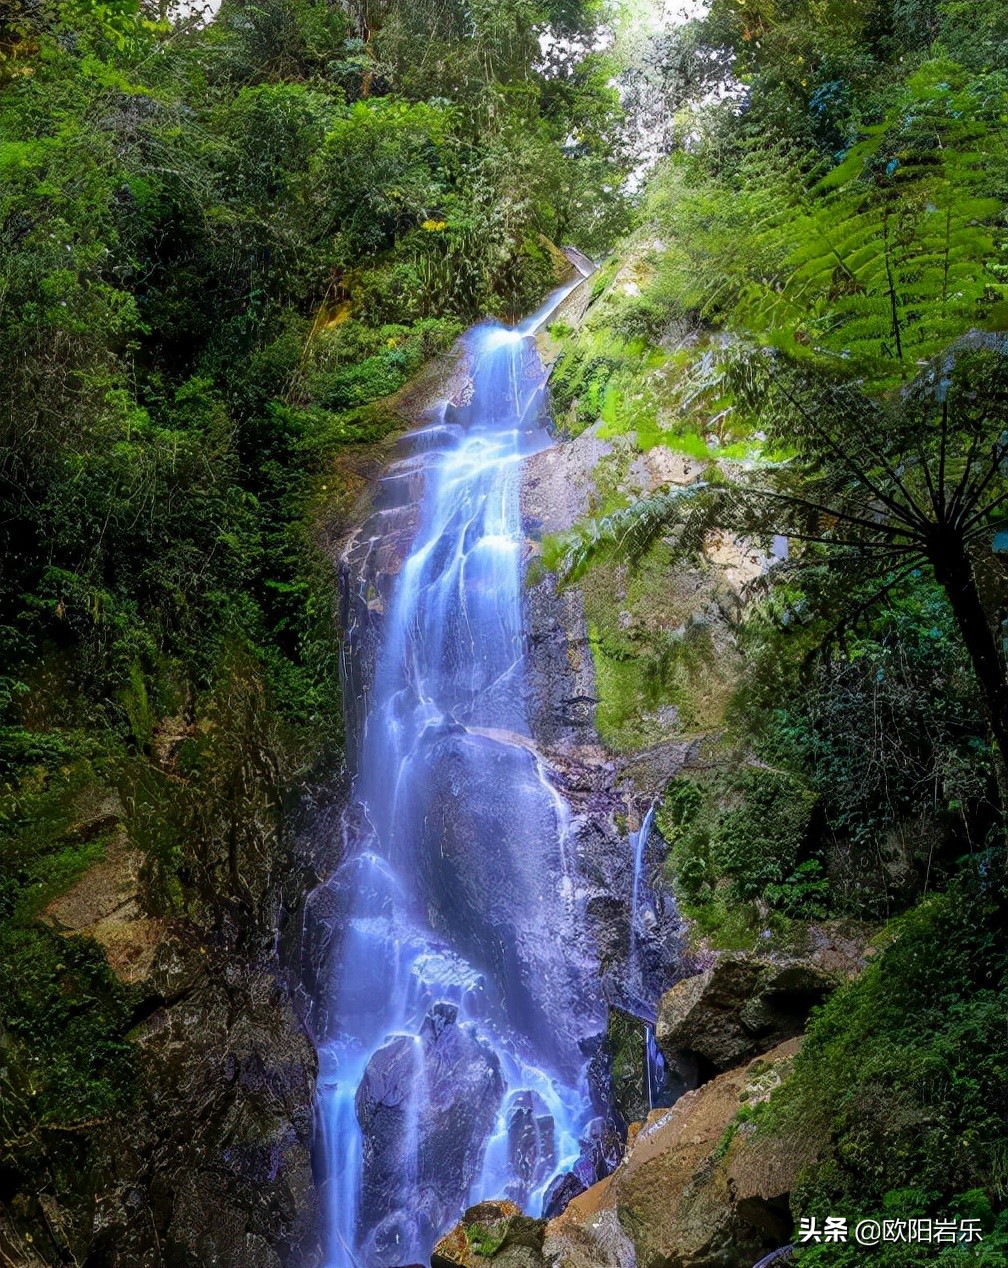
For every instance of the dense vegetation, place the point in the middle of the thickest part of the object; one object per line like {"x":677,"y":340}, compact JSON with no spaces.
{"x":810,"y":312}
{"x":901,"y":1077}
{"x":223,"y":248}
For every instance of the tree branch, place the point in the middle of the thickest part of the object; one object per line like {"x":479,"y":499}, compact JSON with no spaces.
{"x":911,"y":514}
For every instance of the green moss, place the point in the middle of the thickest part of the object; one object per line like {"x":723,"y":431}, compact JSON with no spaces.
{"x":733,"y":832}
{"x":744,"y":1114}
{"x":690,"y":443}
{"x":54,"y":829}
{"x":627,"y":1053}
{"x":650,"y":654}
{"x":619,"y":687}
{"x":603,"y":278}
{"x":486,"y":1241}
{"x":722,"y":925}
{"x":137,"y":705}
{"x":61,"y":867}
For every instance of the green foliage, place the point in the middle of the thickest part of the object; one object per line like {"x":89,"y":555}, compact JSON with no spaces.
{"x":849,"y":206}
{"x":55,"y":826}
{"x":223,"y":249}
{"x":744,"y":833}
{"x":899,"y":248}
{"x":67,"y":1015}
{"x":880,"y":723}
{"x":898,"y":1082}
{"x":885,"y":777}
{"x":759,"y":831}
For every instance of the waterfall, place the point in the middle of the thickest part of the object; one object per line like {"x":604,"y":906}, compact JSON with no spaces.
{"x":454,"y":1001}
{"x":638,"y":843}
{"x":640,"y":840}
{"x":661,"y":1089}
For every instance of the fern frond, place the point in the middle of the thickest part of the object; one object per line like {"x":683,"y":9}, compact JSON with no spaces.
{"x":628,"y":533}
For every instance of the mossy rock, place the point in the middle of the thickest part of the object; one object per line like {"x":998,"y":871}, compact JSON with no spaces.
{"x":625,"y":1042}
{"x":492,"y":1232}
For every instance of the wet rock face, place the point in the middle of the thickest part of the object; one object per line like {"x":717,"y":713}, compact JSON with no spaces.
{"x":627,"y":1052}
{"x":560,"y":1194}
{"x":562,"y":696}
{"x":739,"y":1008}
{"x":601,"y":1150}
{"x":535,"y":949}
{"x":212,"y":1165}
{"x":561,"y":674}
{"x":425,"y":1106}
{"x":531,"y":1140}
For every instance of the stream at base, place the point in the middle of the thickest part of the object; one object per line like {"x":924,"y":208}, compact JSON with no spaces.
{"x":456,"y":1007}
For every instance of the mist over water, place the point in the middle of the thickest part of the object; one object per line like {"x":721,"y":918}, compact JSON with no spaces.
{"x":456,"y":1008}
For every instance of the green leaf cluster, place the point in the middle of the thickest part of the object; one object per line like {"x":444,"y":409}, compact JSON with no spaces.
{"x":897,"y":1085}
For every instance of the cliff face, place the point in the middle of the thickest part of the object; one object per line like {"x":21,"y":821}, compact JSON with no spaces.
{"x":608,"y":798}
{"x":210,"y":1160}
{"x":469,"y":899}
{"x":215,"y":1167}
{"x":211,"y":1164}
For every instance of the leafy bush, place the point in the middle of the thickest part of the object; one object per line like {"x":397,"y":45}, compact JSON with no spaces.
{"x":745,"y":828}
{"x":900,"y":1078}
{"x":759,"y":830}
{"x":68,"y":1016}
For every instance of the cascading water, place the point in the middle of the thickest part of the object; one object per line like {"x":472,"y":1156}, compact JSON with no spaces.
{"x":661,"y":1087}
{"x":639,"y":841}
{"x":456,"y":1004}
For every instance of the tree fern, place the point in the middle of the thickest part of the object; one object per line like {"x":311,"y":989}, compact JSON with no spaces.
{"x":897,"y":251}
{"x":886,"y":487}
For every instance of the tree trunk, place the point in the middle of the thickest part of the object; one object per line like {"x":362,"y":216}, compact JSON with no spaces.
{"x":954,"y":573}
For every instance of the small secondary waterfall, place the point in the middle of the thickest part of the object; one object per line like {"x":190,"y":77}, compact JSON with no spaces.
{"x":639,"y":840}
{"x":654,"y":1068}
{"x":456,"y":1005}
{"x":659,"y":1087}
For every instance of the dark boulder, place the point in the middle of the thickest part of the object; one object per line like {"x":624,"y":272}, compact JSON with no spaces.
{"x":739,"y":1008}
{"x":425,"y":1106}
{"x":601,"y":1151}
{"x":211,"y":1163}
{"x":564,"y":1189}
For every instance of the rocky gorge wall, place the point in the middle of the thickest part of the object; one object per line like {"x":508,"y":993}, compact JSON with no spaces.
{"x":560,"y":707}
{"x":735,"y":1033}
{"x":213,"y":1165}
{"x":694,"y":1185}
{"x":209,"y":1161}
